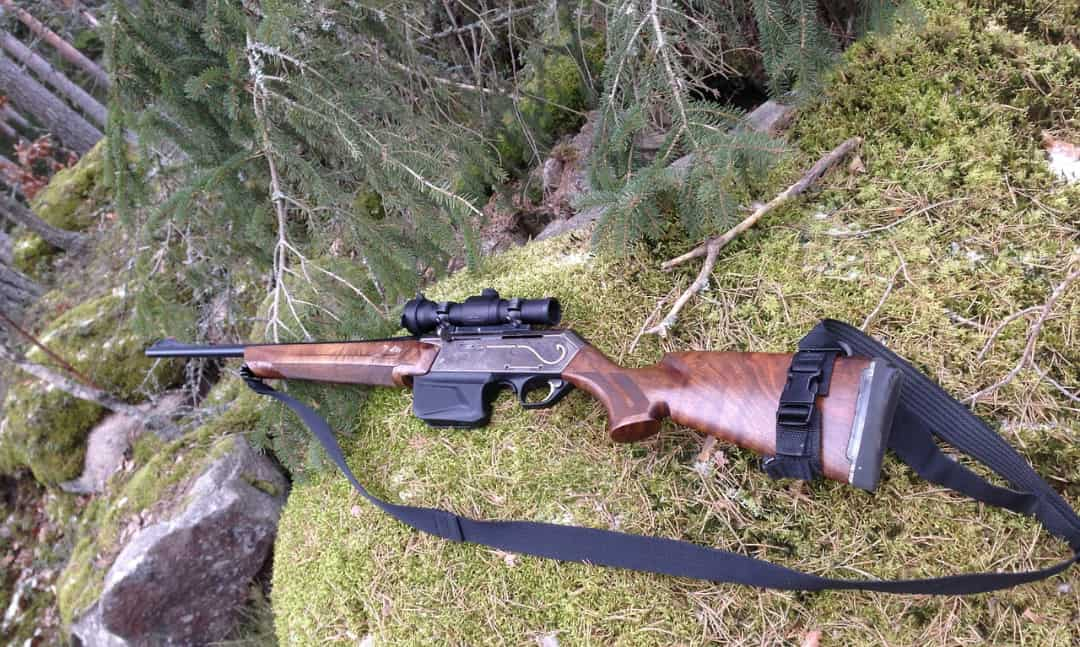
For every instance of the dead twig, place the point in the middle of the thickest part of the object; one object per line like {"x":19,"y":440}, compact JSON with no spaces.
{"x":1028,"y":356}
{"x":710,"y":249}
{"x":873,"y":230}
{"x":956,"y":317}
{"x":644,"y":329}
{"x":888,"y":290}
{"x":1001,"y":326}
{"x":64,"y":364}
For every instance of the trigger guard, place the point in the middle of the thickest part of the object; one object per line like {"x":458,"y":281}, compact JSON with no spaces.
{"x":557,"y":388}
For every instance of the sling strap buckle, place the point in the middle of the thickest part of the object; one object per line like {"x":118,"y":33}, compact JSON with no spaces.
{"x":798,"y":423}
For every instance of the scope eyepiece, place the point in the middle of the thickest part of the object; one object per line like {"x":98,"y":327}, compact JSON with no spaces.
{"x":487,"y":309}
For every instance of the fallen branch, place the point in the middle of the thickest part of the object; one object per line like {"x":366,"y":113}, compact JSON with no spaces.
{"x":1028,"y":356}
{"x":64,"y":364}
{"x":161,"y":426}
{"x":902,"y":267}
{"x":710,"y":249}
{"x":64,"y":48}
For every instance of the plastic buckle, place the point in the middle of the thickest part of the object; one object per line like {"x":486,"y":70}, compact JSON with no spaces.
{"x":801,"y":388}
{"x":794,"y":414}
{"x":842,"y":349}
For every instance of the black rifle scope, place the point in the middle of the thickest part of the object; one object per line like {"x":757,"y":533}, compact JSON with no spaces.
{"x":423,"y":315}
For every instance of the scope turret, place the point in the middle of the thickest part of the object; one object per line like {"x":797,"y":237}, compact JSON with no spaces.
{"x":423,"y":316}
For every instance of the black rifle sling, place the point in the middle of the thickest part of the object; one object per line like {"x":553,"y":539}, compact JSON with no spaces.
{"x":925,"y":409}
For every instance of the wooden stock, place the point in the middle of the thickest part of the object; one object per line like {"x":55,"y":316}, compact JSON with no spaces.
{"x":732,"y":396}
{"x":387,"y":362}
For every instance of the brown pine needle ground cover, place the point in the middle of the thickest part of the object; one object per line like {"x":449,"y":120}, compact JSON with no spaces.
{"x":952,"y":112}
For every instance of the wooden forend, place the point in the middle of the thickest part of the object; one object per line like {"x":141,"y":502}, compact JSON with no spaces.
{"x":388,"y":362}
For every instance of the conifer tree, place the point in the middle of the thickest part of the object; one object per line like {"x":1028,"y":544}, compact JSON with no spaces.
{"x":300,"y":131}
{"x":653,"y":82}
{"x":293,"y":133}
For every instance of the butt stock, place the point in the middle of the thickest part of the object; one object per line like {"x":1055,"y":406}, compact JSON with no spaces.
{"x":734,"y":397}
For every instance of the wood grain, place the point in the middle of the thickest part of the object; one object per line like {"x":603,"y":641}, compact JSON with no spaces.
{"x":732,"y":396}
{"x":388,"y":362}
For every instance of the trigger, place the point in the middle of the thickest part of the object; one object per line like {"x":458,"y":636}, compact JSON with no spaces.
{"x":557,"y":388}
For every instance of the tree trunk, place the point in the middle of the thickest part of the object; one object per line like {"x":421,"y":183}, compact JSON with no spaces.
{"x":6,"y":248}
{"x":87,"y":17}
{"x":8,"y":131}
{"x":12,"y":210}
{"x":50,"y":75}
{"x":64,"y":48}
{"x":30,"y":96}
{"x":16,"y":289}
{"x":10,"y":114}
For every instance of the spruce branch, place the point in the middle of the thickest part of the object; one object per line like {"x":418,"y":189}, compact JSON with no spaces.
{"x":482,"y":22}
{"x":711,"y":248}
{"x":277,"y":197}
{"x":674,"y":81}
{"x":283,"y":248}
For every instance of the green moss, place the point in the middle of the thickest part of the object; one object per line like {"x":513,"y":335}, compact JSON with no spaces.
{"x":31,"y":254}
{"x":97,"y":338}
{"x":264,"y":486}
{"x":46,"y":428}
{"x":552,"y":104}
{"x":931,"y":110}
{"x":70,"y":198}
{"x":369,"y":204}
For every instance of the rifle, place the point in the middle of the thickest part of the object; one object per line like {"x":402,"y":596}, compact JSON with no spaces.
{"x":461,"y":354}
{"x":831,"y":408}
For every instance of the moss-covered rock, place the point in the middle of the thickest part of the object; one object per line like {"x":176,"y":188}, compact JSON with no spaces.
{"x":96,"y":337}
{"x":31,"y":254}
{"x":45,"y":429}
{"x":154,"y":491}
{"x":70,"y":199}
{"x":553,"y":103}
{"x":931,"y":111}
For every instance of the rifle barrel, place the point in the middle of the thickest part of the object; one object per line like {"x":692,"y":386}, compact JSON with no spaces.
{"x":173,"y":348}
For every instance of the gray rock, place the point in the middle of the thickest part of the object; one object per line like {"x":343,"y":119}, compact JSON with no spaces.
{"x":577,"y":221}
{"x":770,"y":117}
{"x":181,"y":581}
{"x":109,"y":442}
